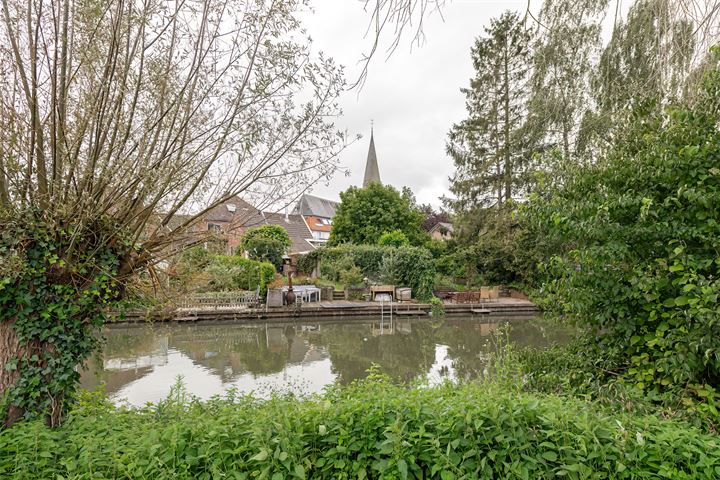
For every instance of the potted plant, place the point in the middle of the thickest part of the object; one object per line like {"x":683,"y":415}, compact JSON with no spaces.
{"x":352,"y":279}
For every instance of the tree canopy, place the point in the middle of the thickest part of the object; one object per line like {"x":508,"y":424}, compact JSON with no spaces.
{"x":634,"y":247}
{"x":364,"y":214}
{"x":266,"y":243}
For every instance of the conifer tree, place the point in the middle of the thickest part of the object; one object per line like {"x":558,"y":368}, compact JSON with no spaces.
{"x":488,"y":147}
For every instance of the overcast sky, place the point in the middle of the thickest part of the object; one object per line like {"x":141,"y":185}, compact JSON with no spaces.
{"x":413,"y":96}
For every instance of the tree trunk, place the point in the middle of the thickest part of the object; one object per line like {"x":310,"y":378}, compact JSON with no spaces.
{"x":506,"y":127}
{"x":9,"y":349}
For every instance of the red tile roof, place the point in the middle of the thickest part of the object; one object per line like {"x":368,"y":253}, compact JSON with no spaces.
{"x":316,"y":225}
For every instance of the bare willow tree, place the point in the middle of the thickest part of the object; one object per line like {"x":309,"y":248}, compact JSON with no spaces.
{"x":117,"y":117}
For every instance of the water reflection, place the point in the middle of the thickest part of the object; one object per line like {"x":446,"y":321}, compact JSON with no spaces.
{"x":140,"y":363}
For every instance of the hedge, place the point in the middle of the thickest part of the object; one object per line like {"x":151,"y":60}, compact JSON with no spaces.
{"x":404,"y":266}
{"x":369,"y":430}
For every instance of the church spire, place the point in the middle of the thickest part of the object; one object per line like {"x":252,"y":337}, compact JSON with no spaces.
{"x":372,"y":172}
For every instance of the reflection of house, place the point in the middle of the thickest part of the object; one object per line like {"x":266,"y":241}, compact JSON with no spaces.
{"x":233,"y":218}
{"x":318,"y":214}
{"x":442,"y":231}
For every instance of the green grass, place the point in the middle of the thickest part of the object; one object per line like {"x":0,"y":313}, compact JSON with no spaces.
{"x":370,"y":430}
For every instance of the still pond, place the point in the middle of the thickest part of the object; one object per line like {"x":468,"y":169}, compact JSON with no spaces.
{"x":139,"y":364}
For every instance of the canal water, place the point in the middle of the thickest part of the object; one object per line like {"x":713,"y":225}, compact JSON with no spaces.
{"x":139,"y":364}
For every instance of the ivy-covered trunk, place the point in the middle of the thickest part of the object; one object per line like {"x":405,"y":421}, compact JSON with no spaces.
{"x":55,"y":283}
{"x":9,"y":349}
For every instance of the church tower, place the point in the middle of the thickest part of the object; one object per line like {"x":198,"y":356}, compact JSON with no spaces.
{"x":372,"y":172}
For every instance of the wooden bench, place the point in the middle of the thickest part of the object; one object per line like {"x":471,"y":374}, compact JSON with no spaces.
{"x":216,"y":300}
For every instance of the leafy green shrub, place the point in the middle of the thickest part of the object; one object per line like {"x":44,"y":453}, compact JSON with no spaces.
{"x":271,"y":232}
{"x":333,"y":268}
{"x":437,"y":307}
{"x":264,"y":249}
{"x":641,"y":230}
{"x":333,"y":260}
{"x":351,"y":277}
{"x":454,"y":264}
{"x":408,"y":266}
{"x":237,"y":273}
{"x":373,"y":429}
{"x":306,"y":263}
{"x":396,"y":238}
{"x":412,"y":267}
{"x":439,"y":248}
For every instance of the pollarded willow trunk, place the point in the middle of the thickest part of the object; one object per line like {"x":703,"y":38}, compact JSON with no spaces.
{"x":9,"y":350}
{"x":55,"y":285}
{"x":14,"y":355}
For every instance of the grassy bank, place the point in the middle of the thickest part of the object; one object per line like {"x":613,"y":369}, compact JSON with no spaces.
{"x":370,"y":430}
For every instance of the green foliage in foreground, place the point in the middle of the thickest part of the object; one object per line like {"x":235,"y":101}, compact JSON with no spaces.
{"x":639,"y":234}
{"x":369,"y":430}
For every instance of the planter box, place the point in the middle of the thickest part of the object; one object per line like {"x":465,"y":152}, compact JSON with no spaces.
{"x":354,"y":293}
{"x":326,"y":293}
{"x":275,"y":297}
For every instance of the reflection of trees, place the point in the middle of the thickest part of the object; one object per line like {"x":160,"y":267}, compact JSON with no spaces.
{"x":130,"y":342}
{"x":403,"y":350}
{"x":230,"y":350}
{"x":469,"y":341}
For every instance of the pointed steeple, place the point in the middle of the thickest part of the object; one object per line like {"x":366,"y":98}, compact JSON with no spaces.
{"x":372,"y":172}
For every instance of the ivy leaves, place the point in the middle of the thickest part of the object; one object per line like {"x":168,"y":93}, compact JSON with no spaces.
{"x":54,"y":304}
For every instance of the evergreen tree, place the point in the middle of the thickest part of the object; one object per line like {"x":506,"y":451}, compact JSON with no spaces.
{"x":488,"y":147}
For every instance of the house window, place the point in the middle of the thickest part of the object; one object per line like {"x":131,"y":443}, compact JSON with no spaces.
{"x":214,"y":227}
{"x":321,"y":235}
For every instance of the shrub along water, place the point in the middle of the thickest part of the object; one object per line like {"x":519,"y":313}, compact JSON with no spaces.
{"x":373,"y":429}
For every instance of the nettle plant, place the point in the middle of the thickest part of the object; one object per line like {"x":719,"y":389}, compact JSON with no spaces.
{"x":56,"y":284}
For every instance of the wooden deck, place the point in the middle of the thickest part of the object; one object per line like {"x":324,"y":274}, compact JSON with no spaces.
{"x":502,"y":307}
